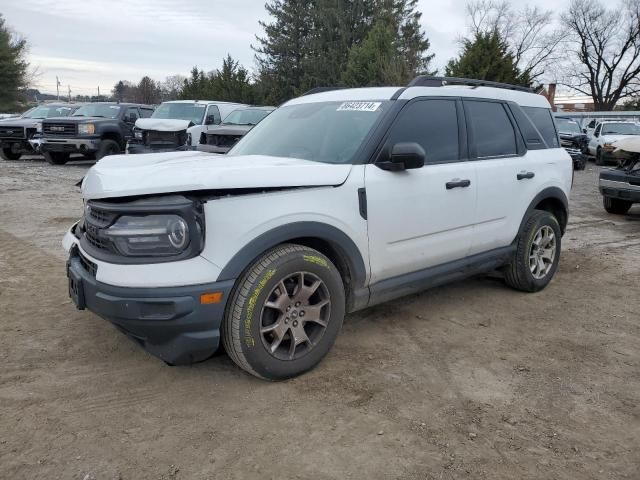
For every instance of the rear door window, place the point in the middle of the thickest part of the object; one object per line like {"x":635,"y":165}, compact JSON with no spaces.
{"x":493,"y":131}
{"x":543,"y":120}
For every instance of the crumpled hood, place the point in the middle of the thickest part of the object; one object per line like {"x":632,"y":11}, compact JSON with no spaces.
{"x":173,"y":172}
{"x":630,"y":143}
{"x":614,"y":138}
{"x":163,"y":124}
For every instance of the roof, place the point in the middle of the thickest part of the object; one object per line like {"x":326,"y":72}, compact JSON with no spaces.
{"x":522,"y":98}
{"x":207,"y":102}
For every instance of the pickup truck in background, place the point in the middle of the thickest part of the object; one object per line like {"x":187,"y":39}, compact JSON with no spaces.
{"x":94,"y":130}
{"x":17,"y":134}
{"x":177,"y":125}
{"x":237,"y":124}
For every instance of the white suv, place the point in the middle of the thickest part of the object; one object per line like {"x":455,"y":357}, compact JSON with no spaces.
{"x":337,"y":201}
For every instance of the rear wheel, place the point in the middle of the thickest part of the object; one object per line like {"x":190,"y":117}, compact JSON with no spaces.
{"x":285,"y":313}
{"x":107,"y":147}
{"x":535,"y":261}
{"x":9,"y":154}
{"x":615,"y":205}
{"x":56,"y":158}
{"x":599,"y":159}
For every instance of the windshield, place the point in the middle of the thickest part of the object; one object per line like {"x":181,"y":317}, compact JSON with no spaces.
{"x":567,"y":126}
{"x":48,"y":111}
{"x":620,"y":129}
{"x":193,"y":112}
{"x":328,"y":132}
{"x":96,"y":110}
{"x":246,"y":117}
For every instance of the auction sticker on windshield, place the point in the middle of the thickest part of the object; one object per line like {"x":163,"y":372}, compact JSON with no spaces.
{"x":359,"y":106}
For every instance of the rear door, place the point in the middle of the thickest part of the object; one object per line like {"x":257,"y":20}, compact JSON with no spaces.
{"x":424,"y":217}
{"x":499,"y":159}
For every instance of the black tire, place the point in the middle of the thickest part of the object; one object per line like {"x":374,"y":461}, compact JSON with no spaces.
{"x":247,"y":313}
{"x":581,"y":163}
{"x":518,"y":273}
{"x":56,"y":158}
{"x":9,"y":154}
{"x":108,"y":147}
{"x":616,"y":205}
{"x":599,"y":159}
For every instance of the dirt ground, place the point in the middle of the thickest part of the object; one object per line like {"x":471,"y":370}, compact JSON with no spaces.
{"x":472,"y":380}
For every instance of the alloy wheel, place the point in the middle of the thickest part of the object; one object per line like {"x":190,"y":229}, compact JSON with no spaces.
{"x":295,"y":315}
{"x":543,"y":252}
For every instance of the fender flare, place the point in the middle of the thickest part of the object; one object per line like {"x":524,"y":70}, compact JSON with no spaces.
{"x":549,"y":192}
{"x":339,"y":241}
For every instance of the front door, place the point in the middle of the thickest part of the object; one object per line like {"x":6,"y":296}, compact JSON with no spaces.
{"x":424,"y":217}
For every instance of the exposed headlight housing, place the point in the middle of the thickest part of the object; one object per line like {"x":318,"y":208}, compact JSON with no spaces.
{"x":149,"y":235}
{"x":86,"y":129}
{"x":608,"y":146}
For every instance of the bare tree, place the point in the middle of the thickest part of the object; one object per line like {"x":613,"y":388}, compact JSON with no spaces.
{"x":172,"y":87}
{"x":606,"y":43}
{"x":529,"y":33}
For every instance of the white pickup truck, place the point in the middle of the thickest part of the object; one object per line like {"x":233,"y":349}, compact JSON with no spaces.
{"x":177,"y":125}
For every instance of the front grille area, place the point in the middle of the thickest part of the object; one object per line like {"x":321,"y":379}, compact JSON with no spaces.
{"x":223,"y":140}
{"x":157,"y":139}
{"x":11,"y":132}
{"x":87,"y":264}
{"x":96,"y":220}
{"x":59,"y":129}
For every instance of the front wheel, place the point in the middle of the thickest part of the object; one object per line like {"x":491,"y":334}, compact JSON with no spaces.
{"x":9,"y":154}
{"x":285,"y":313}
{"x":56,"y":158}
{"x":107,"y":147}
{"x":599,"y":158}
{"x":615,"y":205}
{"x":535,"y":261}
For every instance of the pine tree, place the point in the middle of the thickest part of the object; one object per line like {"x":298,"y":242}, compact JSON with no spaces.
{"x":487,"y":57}
{"x":13,"y":68}
{"x":284,"y":50}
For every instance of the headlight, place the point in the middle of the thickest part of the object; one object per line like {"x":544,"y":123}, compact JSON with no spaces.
{"x":137,"y":134}
{"x":86,"y":129}
{"x":150,"y":235}
{"x":39,"y":127}
{"x":608,"y":146}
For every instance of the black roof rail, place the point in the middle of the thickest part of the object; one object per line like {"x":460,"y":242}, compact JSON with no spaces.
{"x":427,"y":81}
{"x":321,"y":90}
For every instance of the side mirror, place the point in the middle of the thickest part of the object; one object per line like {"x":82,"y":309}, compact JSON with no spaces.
{"x":584,"y":130}
{"x":210,"y":120}
{"x":404,"y":156}
{"x":596,"y":135}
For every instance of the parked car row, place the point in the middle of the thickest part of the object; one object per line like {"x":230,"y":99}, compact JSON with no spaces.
{"x":96,"y":130}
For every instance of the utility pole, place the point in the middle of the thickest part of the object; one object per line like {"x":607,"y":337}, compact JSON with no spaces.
{"x":69,"y":86}
{"x":98,"y":92}
{"x":58,"y":87}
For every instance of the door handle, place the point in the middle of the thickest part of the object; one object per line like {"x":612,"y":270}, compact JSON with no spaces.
{"x":456,"y":183}
{"x":526,"y":175}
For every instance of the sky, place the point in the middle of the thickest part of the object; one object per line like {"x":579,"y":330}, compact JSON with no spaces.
{"x":94,"y":43}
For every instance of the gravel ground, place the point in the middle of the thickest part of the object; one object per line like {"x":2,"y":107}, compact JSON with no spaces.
{"x":472,"y":380}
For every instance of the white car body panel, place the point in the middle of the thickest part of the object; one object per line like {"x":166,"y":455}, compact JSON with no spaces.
{"x":233,"y":222}
{"x":118,"y":176}
{"x":411,"y":225}
{"x":503,"y":199}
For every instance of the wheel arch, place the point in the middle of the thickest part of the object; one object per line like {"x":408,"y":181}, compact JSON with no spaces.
{"x":327,"y":239}
{"x":552,"y":200}
{"x":114,"y":135}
